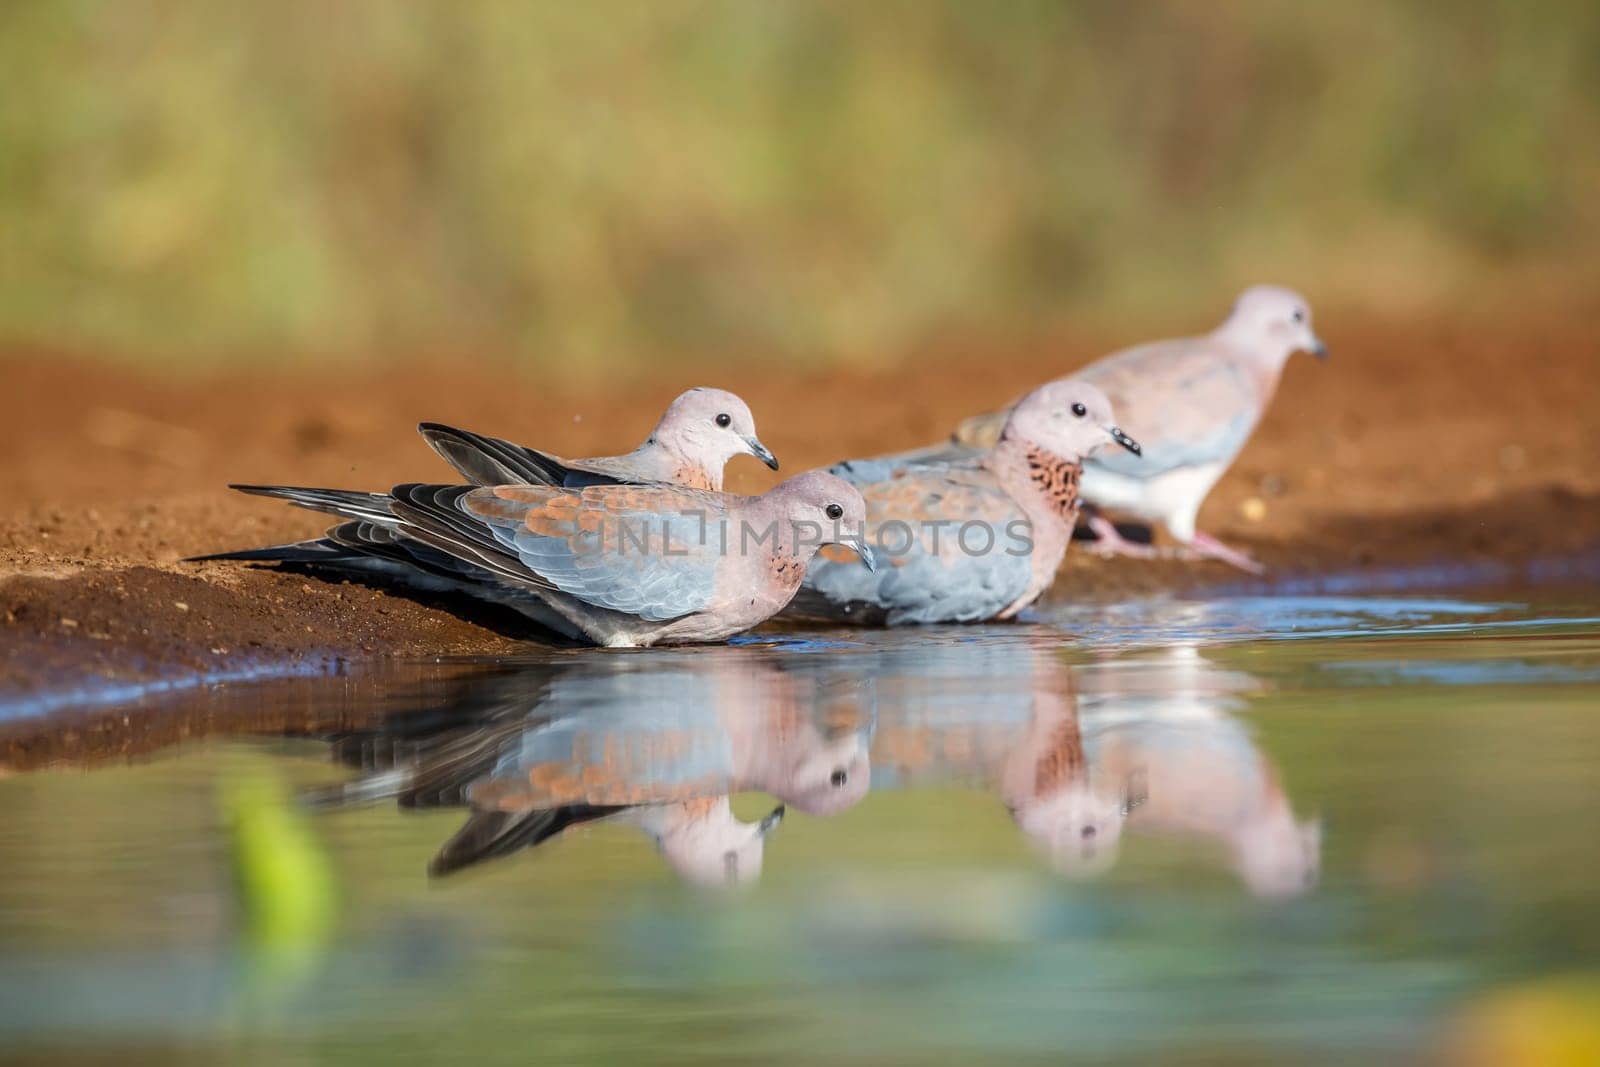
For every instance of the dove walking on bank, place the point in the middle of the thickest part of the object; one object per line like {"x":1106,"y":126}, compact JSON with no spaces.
{"x":1192,"y":403}
{"x":972,"y":539}
{"x":699,"y":433}
{"x":613,"y":565}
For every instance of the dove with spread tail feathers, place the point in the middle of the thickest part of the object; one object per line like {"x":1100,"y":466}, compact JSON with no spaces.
{"x":612,"y":565}
{"x":701,"y":430}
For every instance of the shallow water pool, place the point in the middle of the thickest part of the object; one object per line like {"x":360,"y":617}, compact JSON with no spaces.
{"x":1245,"y":830}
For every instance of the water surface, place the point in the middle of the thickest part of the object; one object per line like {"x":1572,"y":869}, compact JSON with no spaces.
{"x":1248,"y":829}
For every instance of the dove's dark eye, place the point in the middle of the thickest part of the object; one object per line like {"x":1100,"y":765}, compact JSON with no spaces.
{"x":724,"y":420}
{"x":1298,"y":316}
{"x":838,"y":779}
{"x":1079,"y":410}
{"x":833,"y":511}
{"x":1088,"y":831}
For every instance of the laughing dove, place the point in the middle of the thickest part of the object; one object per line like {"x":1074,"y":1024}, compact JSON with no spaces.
{"x":970,"y":540}
{"x":1193,"y":404}
{"x":613,"y":565}
{"x":701,"y":431}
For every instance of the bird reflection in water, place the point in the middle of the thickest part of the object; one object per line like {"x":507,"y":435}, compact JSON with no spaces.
{"x":1082,"y":754}
{"x":1166,"y":719}
{"x":1003,"y":718}
{"x":532,"y":752}
{"x":1078,"y":754}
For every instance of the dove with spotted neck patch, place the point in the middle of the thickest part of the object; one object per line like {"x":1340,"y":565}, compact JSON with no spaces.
{"x":1193,"y":403}
{"x":970,"y":540}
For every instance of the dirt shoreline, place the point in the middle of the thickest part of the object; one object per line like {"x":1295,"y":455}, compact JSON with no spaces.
{"x":1417,"y":444}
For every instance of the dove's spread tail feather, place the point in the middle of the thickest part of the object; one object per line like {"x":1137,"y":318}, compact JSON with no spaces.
{"x":486,"y":460}
{"x":347,"y":503}
{"x":320,"y":551}
{"x":359,"y":547}
{"x":433,"y":516}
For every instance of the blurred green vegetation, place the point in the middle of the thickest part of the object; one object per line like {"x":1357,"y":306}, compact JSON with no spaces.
{"x":209,"y":179}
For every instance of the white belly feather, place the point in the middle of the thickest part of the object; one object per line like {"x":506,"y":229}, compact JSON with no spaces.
{"x":1172,"y":499}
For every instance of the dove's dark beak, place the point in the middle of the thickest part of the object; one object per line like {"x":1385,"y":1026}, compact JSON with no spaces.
{"x":1125,"y":441}
{"x":761,"y":452}
{"x":860,"y":547}
{"x":1318,"y":349}
{"x":770,"y":823}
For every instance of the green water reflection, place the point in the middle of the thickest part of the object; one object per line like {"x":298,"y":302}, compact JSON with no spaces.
{"x":1299,"y":849}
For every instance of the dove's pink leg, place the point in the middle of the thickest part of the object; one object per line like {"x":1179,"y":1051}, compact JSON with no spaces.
{"x":1108,"y":542}
{"x":1204,"y":546}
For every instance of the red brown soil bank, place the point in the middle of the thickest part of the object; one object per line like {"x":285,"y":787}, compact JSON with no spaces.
{"x":1419,"y":441}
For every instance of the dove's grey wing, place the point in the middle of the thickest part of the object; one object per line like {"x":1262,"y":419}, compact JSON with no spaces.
{"x":485,"y":460}
{"x":639,"y":550}
{"x":436,"y":515}
{"x":865,"y":471}
{"x":640,"y":739}
{"x":953,"y":542}
{"x":1189,"y":403}
{"x":642,"y":466}
{"x":880,"y":470}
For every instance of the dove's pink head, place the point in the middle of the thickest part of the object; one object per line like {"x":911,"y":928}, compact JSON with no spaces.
{"x":833,"y":778}
{"x":1271,"y":324}
{"x":818,"y":508}
{"x":706,"y":844}
{"x":1067,"y":418}
{"x":1077,"y":828}
{"x":706,"y":428}
{"x":1277,"y":856}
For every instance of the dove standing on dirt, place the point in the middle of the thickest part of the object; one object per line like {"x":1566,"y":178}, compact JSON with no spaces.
{"x":612,"y":565}
{"x":701,"y":431}
{"x":1193,"y":404}
{"x":973,"y":540}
